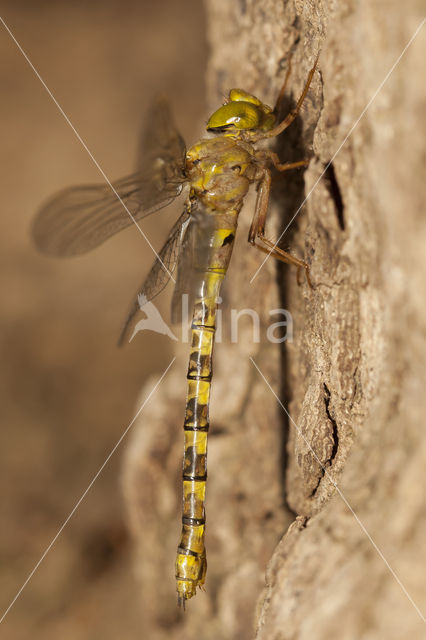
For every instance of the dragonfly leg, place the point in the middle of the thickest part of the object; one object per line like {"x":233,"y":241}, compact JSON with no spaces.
{"x":257,"y":230}
{"x":285,"y":166}
{"x":259,"y":219}
{"x":283,"y":88}
{"x":293,"y":113}
{"x":286,"y":257}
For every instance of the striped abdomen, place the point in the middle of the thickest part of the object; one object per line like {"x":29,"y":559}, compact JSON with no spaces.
{"x":191,"y":562}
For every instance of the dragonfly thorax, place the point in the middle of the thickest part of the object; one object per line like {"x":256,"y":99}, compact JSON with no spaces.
{"x":220,"y":171}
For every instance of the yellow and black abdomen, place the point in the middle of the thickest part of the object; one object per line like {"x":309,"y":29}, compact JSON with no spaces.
{"x":216,"y":169}
{"x":191,"y":564}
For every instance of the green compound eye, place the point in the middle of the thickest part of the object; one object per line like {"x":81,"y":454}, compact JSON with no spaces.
{"x":242,"y":112}
{"x":241,"y":115}
{"x":239,"y":95}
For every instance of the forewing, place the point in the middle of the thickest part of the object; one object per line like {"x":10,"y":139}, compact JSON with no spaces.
{"x":162,"y":269}
{"x":80,"y":218}
{"x":161,"y":143}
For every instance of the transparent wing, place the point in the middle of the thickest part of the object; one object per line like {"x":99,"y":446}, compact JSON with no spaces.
{"x":161,"y":142}
{"x":162,"y":269}
{"x":193,"y":261}
{"x":188,"y":248}
{"x":80,"y":218}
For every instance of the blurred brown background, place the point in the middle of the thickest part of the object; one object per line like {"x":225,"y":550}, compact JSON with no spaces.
{"x":67,"y":392}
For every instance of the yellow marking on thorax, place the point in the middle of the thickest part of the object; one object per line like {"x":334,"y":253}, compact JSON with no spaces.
{"x":216,"y":170}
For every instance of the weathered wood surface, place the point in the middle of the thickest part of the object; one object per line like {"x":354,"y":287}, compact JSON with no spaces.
{"x":353,"y":377}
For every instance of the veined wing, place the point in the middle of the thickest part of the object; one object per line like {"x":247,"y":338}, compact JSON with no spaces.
{"x":162,"y":269}
{"x":80,"y":218}
{"x":161,"y":142}
{"x":188,"y":248}
{"x":194,"y":258}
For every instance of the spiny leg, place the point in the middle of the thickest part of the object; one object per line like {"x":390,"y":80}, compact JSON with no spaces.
{"x":257,"y":229}
{"x":293,"y":113}
{"x":286,"y":257}
{"x":283,"y":88}
{"x":284,"y":166}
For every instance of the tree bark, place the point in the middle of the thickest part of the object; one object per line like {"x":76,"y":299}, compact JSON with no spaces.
{"x":332,"y":496}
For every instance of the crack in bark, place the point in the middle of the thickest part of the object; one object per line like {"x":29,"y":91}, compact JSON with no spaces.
{"x":335,"y":194}
{"x":334,"y":425}
{"x":335,"y":434}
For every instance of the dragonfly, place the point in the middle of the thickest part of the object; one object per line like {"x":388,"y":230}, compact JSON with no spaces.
{"x":219,"y":171}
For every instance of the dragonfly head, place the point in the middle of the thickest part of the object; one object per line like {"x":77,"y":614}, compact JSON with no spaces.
{"x":241,"y":112}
